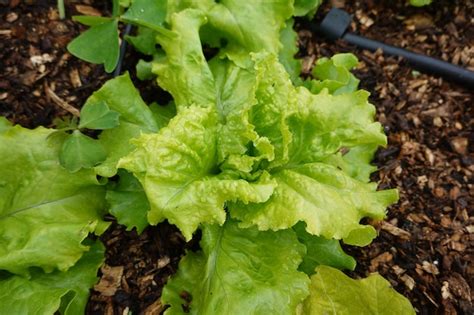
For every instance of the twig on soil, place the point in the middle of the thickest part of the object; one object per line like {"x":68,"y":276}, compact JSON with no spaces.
{"x":60,"y":102}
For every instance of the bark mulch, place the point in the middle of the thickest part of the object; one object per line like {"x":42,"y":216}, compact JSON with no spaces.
{"x":425,"y":247}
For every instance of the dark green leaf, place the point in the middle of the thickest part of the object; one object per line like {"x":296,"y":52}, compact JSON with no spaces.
{"x":98,"y":116}
{"x":288,"y":39}
{"x":321,"y":251}
{"x":163,"y":114}
{"x":80,"y":151}
{"x":99,"y":44}
{"x":128,"y":202}
{"x":145,"y":41}
{"x":66,"y":122}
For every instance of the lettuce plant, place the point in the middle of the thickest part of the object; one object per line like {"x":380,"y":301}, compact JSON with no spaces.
{"x":273,"y":170}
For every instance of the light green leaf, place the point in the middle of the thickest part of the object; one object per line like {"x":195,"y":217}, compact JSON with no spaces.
{"x":275,"y":103}
{"x":239,"y":271}
{"x":306,"y":7}
{"x":332,"y":292}
{"x":235,"y":90}
{"x":356,"y":162}
{"x":148,"y":13}
{"x":249,"y":26}
{"x":321,"y":251}
{"x":128,"y":202}
{"x":99,"y":44}
{"x":46,"y":293}
{"x":144,"y":70}
{"x":325,"y":124}
{"x":98,"y":116}
{"x":5,"y":124}
{"x":177,"y":168}
{"x":135,"y":118}
{"x":304,"y":130}
{"x":184,"y":72}
{"x":329,"y":201}
{"x":334,"y":74}
{"x":79,"y":151}
{"x":289,"y":39}
{"x":45,"y":211}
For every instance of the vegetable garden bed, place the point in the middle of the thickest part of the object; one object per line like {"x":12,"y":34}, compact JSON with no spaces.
{"x":424,"y":246}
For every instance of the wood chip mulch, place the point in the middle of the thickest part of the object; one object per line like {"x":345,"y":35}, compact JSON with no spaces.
{"x":425,"y":247}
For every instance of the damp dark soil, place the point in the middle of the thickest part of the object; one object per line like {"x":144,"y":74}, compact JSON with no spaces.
{"x":425,"y":246}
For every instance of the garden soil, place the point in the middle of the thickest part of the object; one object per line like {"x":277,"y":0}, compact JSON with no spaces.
{"x":425,"y":246}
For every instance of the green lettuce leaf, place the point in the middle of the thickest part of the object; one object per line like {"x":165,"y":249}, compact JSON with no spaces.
{"x":289,"y":39}
{"x":121,"y":96}
{"x":332,"y":292}
{"x":249,"y":26}
{"x":177,"y":168}
{"x":355,"y":162}
{"x":275,"y":103}
{"x":322,"y":251}
{"x":329,"y":201}
{"x":306,"y":7}
{"x":128,"y":202}
{"x":46,"y":293}
{"x":235,"y":90}
{"x":239,"y":271}
{"x":334,"y":74}
{"x":184,"y":73}
{"x":45,"y":211}
{"x":305,"y":131}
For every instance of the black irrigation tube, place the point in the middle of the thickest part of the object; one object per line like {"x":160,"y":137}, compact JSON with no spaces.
{"x":123,"y":49}
{"x":334,"y":26}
